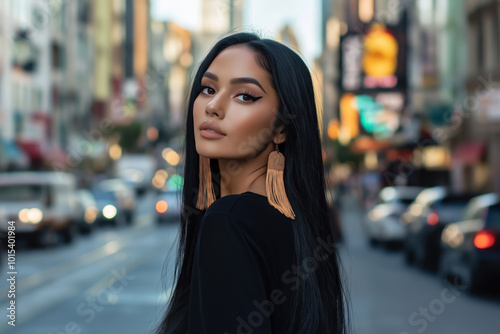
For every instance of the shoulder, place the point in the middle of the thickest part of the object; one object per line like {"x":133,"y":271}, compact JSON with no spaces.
{"x":249,"y":210}
{"x":247,"y":216}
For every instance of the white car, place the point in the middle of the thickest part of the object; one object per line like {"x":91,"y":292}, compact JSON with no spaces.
{"x":382,"y":222}
{"x":138,"y":170}
{"x":42,"y":205}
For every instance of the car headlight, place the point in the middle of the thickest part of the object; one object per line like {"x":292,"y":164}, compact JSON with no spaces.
{"x":23,"y":216}
{"x":33,"y":216}
{"x":452,"y":236}
{"x":109,"y":211}
{"x":379,"y":212}
{"x":416,"y":209}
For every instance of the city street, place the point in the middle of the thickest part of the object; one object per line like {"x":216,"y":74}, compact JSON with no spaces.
{"x":110,"y":282}
{"x":111,"y":109}
{"x":388,"y":297}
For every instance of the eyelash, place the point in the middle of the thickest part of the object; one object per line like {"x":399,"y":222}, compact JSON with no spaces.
{"x":245,"y":93}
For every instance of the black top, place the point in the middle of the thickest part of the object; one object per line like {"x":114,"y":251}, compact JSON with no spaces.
{"x":243,"y":272}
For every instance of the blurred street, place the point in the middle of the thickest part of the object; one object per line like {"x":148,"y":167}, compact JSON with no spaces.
{"x":110,"y":282}
{"x":106,"y":282}
{"x":390,"y":297}
{"x":95,"y":143}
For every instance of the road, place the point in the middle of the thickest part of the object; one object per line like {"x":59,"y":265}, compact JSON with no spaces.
{"x":110,"y":282}
{"x":389,"y":297}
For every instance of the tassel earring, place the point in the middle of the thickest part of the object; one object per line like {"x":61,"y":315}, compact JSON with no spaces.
{"x":206,"y":193}
{"x":275,"y":186}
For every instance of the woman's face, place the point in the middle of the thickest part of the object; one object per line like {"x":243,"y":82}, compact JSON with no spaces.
{"x":238,"y":97}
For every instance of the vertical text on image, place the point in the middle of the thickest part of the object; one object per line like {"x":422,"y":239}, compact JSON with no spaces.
{"x":11,"y":272}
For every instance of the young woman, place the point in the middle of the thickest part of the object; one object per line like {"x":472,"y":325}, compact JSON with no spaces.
{"x":256,"y":251}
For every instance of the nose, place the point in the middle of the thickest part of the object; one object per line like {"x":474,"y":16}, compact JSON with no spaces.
{"x":215,"y":106}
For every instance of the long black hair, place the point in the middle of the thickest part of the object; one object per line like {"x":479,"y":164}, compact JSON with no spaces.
{"x":320,"y":302}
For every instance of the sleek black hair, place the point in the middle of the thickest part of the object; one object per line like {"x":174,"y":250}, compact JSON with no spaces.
{"x":320,"y":304}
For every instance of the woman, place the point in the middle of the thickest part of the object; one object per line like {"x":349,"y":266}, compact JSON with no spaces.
{"x":256,"y":251}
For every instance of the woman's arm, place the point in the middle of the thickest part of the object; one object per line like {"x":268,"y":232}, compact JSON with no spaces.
{"x":228,"y":292}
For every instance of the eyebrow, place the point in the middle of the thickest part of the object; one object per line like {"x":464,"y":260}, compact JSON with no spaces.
{"x":236,"y":81}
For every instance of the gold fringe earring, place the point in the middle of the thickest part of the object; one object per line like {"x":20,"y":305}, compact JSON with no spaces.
{"x":275,"y":186}
{"x":206,"y":193}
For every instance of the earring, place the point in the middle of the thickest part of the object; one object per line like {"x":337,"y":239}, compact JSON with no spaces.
{"x":275,"y":186}
{"x":206,"y":193}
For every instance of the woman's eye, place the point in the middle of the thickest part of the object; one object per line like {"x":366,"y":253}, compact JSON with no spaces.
{"x":208,"y":90}
{"x":247,"y":98}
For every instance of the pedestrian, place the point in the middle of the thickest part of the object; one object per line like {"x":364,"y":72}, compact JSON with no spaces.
{"x":257,"y":251}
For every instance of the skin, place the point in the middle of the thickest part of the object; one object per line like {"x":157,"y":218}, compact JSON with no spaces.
{"x":245,"y":113}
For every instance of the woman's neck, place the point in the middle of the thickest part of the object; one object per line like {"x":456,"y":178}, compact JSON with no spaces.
{"x":238,"y":177}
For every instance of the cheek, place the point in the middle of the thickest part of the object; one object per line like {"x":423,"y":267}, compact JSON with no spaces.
{"x":249,"y":126}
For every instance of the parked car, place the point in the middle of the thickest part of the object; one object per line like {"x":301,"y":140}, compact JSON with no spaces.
{"x":138,"y":169}
{"x":168,"y":206}
{"x":470,"y":249}
{"x":115,"y":202}
{"x":42,"y":205}
{"x":86,"y":211}
{"x":382,"y":223}
{"x":429,"y":217}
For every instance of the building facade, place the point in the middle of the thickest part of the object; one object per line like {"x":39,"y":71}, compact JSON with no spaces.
{"x":479,"y":154}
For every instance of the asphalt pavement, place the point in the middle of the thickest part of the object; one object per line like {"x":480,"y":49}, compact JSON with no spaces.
{"x":111,"y":282}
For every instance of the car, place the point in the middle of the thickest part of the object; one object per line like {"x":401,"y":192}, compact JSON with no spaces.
{"x":168,"y":206}
{"x":429,"y":216}
{"x":86,"y":211}
{"x":382,"y":223}
{"x":470,"y":249}
{"x":42,"y":205}
{"x":115,"y":202}
{"x":138,"y":170}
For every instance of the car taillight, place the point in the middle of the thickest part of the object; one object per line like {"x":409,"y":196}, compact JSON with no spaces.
{"x":432,"y":218}
{"x":485,"y":239}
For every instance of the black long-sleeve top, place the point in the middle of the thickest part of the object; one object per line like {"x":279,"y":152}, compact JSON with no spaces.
{"x":243,"y":272}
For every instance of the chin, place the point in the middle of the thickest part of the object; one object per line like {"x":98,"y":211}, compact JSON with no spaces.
{"x":206,"y":153}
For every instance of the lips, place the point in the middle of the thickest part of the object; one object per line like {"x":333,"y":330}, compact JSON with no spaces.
{"x":211,"y":126}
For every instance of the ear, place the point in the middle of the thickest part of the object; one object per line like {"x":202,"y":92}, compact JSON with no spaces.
{"x":279,"y":135}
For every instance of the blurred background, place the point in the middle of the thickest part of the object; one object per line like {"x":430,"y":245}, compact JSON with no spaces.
{"x":92,"y":105}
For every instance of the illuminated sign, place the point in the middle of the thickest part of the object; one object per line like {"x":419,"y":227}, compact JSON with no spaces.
{"x":373,"y":79}
{"x":374,"y":59}
{"x":377,"y":114}
{"x":380,"y":54}
{"x":351,"y":68}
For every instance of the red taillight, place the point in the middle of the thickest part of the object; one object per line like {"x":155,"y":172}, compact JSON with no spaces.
{"x":484,"y":239}
{"x":432,"y":219}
